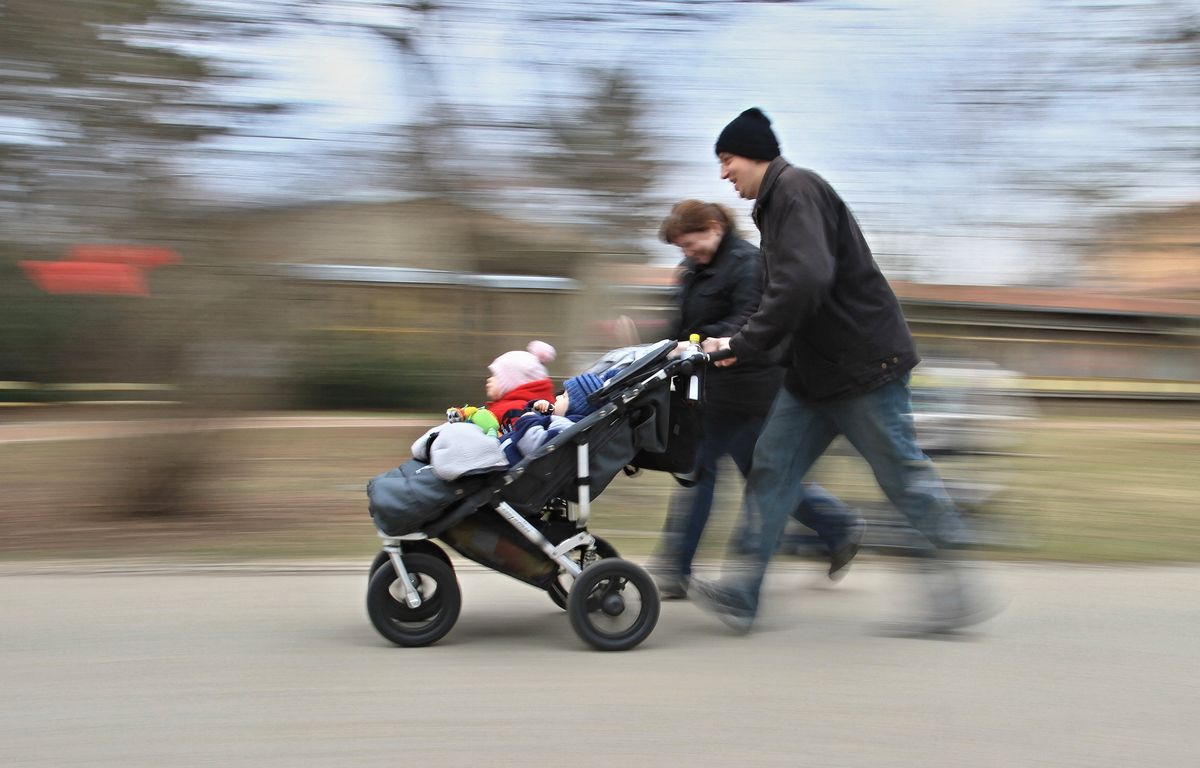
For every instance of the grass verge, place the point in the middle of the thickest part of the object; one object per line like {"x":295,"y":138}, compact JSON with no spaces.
{"x":1088,"y":486}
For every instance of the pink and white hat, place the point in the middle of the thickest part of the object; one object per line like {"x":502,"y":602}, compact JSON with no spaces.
{"x":512,"y":369}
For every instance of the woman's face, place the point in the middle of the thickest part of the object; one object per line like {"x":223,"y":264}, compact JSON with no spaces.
{"x":700,"y":247}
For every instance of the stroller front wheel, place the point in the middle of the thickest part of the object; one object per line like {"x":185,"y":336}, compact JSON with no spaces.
{"x":429,"y":622}
{"x":561,"y":586}
{"x":613,"y":605}
{"x":422,"y":546}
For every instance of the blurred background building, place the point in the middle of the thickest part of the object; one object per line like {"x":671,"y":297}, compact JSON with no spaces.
{"x":365,"y":201}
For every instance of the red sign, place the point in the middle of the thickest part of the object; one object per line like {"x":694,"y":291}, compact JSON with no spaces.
{"x":100,"y":269}
{"x":86,"y":277}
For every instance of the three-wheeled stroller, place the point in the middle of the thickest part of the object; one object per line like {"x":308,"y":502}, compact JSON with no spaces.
{"x":529,"y":521}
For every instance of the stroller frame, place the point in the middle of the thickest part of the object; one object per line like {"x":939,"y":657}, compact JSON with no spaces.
{"x":393,"y":546}
{"x":601,"y":584}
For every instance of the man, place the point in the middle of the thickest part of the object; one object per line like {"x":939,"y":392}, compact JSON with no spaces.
{"x":848,"y":357}
{"x":719,"y":287}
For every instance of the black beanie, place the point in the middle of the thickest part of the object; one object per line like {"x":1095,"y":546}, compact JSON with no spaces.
{"x":750,"y":136}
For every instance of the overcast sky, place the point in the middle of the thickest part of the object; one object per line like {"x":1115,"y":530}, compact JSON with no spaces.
{"x":861,"y":92}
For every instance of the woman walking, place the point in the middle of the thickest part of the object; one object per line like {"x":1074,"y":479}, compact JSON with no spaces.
{"x":720,"y":285}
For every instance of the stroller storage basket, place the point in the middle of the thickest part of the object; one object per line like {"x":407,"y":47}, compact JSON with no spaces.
{"x":488,"y":540}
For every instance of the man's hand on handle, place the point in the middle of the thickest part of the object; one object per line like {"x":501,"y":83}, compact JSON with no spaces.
{"x":712,"y":345}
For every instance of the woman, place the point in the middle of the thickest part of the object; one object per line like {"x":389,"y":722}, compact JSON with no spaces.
{"x":720,"y":284}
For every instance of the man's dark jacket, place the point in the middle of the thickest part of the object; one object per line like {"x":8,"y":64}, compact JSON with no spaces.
{"x":715,"y":299}
{"x":823,"y":291}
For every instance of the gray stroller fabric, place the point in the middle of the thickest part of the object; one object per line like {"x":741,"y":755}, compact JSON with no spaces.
{"x":404,"y":499}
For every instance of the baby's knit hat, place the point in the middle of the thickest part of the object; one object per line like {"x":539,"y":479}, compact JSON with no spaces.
{"x":512,"y":369}
{"x":578,"y":389}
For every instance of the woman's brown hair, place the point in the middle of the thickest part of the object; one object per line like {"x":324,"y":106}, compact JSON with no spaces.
{"x":689,"y":216}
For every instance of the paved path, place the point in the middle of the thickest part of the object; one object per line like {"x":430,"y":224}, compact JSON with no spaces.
{"x":158,"y":667}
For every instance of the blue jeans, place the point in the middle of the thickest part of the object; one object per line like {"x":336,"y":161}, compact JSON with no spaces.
{"x":832,"y":517}
{"x":725,"y":433}
{"x":735,"y":434}
{"x":879,"y":425}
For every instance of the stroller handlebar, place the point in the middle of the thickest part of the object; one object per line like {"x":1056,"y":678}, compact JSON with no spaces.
{"x":720,"y":354}
{"x":692,"y":361}
{"x":695,"y":358}
{"x":663,"y":362}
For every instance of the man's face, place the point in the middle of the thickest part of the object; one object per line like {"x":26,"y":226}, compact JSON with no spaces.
{"x":745,"y":174}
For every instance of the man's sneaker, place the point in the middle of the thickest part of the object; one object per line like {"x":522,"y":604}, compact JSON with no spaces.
{"x":953,"y":606}
{"x":840,"y":558}
{"x":725,"y":604}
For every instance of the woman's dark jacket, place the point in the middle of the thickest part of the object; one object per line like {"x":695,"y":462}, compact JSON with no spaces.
{"x":715,"y":299}
{"x":824,"y":292}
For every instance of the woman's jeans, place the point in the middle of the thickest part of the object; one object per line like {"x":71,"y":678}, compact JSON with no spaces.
{"x":735,"y":434}
{"x":879,"y":425}
{"x":725,"y":433}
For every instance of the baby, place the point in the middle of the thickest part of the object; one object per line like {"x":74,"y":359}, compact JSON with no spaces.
{"x":544,"y":420}
{"x":518,"y":379}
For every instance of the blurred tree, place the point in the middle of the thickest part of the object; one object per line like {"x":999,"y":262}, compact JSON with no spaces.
{"x":101,"y":98}
{"x":422,"y":154}
{"x":588,"y":149}
{"x":1116,"y":86}
{"x":599,"y":156}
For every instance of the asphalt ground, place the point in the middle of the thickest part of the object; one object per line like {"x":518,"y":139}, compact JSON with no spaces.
{"x":140,"y":663}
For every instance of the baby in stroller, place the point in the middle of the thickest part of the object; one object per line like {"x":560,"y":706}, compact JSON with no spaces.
{"x":529,"y":519}
{"x":545,"y":419}
{"x":518,"y":378}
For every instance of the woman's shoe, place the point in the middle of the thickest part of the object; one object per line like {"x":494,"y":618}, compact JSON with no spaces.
{"x":840,"y":558}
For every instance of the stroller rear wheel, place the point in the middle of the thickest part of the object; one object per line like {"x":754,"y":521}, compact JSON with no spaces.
{"x":429,"y":622}
{"x":613,"y":605}
{"x":561,"y":586}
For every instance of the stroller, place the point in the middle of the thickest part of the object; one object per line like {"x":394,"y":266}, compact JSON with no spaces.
{"x":529,"y":521}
